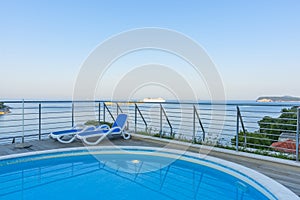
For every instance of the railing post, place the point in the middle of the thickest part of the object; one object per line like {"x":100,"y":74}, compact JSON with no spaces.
{"x":160,"y":121}
{"x":40,"y":121}
{"x":243,"y":127}
{"x":103,"y":111}
{"x":137,"y":111}
{"x":168,"y":121}
{"x":99,"y":112}
{"x":297,"y":134}
{"x":23,"y":121}
{"x":72,"y":114}
{"x":135,"y":118}
{"x":237,"y":130}
{"x":111,"y":115}
{"x":194,"y":126}
{"x":117,"y":108}
{"x":196,"y":114}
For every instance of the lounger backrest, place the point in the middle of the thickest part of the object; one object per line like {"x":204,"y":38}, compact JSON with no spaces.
{"x":120,"y":121}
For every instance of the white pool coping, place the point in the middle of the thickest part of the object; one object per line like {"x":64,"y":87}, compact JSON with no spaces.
{"x":278,"y":190}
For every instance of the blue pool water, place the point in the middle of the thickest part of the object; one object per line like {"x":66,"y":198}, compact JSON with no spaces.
{"x":118,"y":175}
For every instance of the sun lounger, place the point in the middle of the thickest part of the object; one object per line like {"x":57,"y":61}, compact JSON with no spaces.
{"x":100,"y":133}
{"x":69,"y":135}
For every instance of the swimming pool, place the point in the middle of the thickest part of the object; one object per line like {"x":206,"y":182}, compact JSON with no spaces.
{"x":130,"y":173}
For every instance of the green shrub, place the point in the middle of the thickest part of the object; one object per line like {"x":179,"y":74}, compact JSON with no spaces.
{"x":253,"y":140}
{"x":163,"y":136}
{"x":273,"y":127}
{"x":2,"y":106}
{"x":96,"y":123}
{"x":269,"y":130}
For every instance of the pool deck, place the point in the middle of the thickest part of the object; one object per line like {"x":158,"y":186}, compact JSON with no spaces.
{"x":285,"y":172}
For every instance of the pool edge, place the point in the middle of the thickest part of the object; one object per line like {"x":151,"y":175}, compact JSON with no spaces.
{"x":275,"y":188}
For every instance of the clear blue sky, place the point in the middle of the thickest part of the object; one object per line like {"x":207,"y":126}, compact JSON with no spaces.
{"x":254,"y":44}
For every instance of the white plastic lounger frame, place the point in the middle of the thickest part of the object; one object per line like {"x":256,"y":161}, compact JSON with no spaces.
{"x":116,"y":129}
{"x":70,"y":134}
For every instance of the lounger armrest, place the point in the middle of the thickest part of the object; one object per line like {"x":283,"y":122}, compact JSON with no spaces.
{"x":114,"y":129}
{"x":88,"y":128}
{"x":77,"y":126}
{"x":103,"y":126}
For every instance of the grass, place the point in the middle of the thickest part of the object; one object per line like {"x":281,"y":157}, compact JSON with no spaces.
{"x":163,"y":136}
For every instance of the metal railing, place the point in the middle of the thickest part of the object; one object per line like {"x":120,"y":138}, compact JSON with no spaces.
{"x":267,"y":128}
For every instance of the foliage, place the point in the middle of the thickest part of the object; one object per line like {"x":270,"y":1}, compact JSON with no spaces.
{"x":269,"y":130}
{"x":163,"y":136}
{"x":96,"y":123}
{"x":2,"y":106}
{"x":253,"y":140}
{"x":273,"y":127}
{"x":142,"y":133}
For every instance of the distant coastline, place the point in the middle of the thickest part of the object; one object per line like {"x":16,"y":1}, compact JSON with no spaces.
{"x":278,"y":99}
{"x":4,"y":109}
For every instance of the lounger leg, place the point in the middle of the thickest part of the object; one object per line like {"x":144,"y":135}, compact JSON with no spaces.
{"x":66,"y":141}
{"x":126,"y":135}
{"x":96,"y":142}
{"x":51,"y":137}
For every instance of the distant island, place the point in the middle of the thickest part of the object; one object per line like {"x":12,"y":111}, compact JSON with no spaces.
{"x":278,"y":99}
